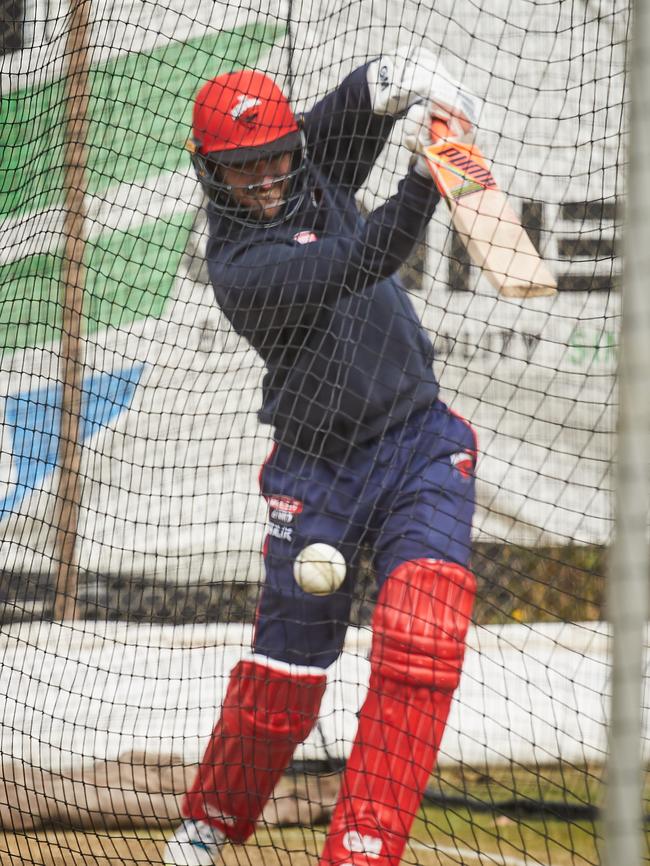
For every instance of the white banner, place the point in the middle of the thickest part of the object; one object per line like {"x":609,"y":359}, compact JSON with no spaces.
{"x":529,"y":694}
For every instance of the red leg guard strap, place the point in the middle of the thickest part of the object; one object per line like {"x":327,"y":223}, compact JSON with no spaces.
{"x":266,"y":712}
{"x":420,"y":624}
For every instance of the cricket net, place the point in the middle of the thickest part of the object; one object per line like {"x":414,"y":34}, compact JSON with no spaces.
{"x":131,"y":524}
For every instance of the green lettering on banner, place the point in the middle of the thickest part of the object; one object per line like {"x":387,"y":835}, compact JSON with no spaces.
{"x":139,"y":119}
{"x":592,"y":346}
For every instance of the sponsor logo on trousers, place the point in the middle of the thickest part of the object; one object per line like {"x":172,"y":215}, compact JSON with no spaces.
{"x":284,"y":533}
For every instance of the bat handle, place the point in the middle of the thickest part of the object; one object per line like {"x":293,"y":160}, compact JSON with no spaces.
{"x":439,"y":129}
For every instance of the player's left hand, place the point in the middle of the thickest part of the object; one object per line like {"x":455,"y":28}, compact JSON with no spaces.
{"x":397,"y":82}
{"x":417,"y":136}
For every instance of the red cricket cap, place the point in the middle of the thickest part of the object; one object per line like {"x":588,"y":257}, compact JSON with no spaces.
{"x":243,"y":115}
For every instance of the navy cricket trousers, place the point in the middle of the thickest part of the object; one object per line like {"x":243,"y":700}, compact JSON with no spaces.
{"x":406,"y":496}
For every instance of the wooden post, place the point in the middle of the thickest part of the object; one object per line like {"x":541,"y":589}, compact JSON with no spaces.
{"x":73,"y":277}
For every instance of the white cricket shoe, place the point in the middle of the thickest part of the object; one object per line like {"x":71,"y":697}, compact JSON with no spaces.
{"x":195,"y":843}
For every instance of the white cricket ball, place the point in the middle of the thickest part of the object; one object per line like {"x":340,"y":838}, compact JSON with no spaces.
{"x":319,"y":569}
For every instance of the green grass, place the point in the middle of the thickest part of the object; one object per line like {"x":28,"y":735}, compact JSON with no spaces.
{"x":516,"y":814}
{"x":441,"y":836}
{"x":544,"y":841}
{"x":554,"y":783}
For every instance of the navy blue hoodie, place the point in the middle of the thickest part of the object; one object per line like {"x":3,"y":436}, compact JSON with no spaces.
{"x":345,"y":353}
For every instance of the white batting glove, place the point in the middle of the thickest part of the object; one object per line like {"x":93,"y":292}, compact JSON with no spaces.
{"x":417,"y":136}
{"x":418,"y":133}
{"x":397,"y":82}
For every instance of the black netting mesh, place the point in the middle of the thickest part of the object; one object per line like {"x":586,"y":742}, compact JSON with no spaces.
{"x":155,"y":344}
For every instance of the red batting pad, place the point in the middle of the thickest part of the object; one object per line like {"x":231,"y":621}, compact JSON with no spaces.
{"x":420,"y":624}
{"x":266,"y":713}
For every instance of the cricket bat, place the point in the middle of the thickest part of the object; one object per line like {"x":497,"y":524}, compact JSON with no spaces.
{"x":487,"y":224}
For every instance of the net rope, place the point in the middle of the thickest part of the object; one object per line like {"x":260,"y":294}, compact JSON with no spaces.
{"x":133,"y":562}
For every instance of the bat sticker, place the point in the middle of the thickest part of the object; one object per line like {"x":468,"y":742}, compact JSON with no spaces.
{"x":461,"y":169}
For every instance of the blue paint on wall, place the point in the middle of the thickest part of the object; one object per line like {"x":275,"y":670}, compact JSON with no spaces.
{"x":34,"y":418}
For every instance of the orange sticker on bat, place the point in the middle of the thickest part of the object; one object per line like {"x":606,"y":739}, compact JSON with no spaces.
{"x":458,"y":168}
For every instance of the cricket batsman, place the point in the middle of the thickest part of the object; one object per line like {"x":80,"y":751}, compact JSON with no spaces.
{"x":366,"y":454}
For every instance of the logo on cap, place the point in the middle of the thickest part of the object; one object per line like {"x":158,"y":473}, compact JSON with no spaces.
{"x":242,"y":106}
